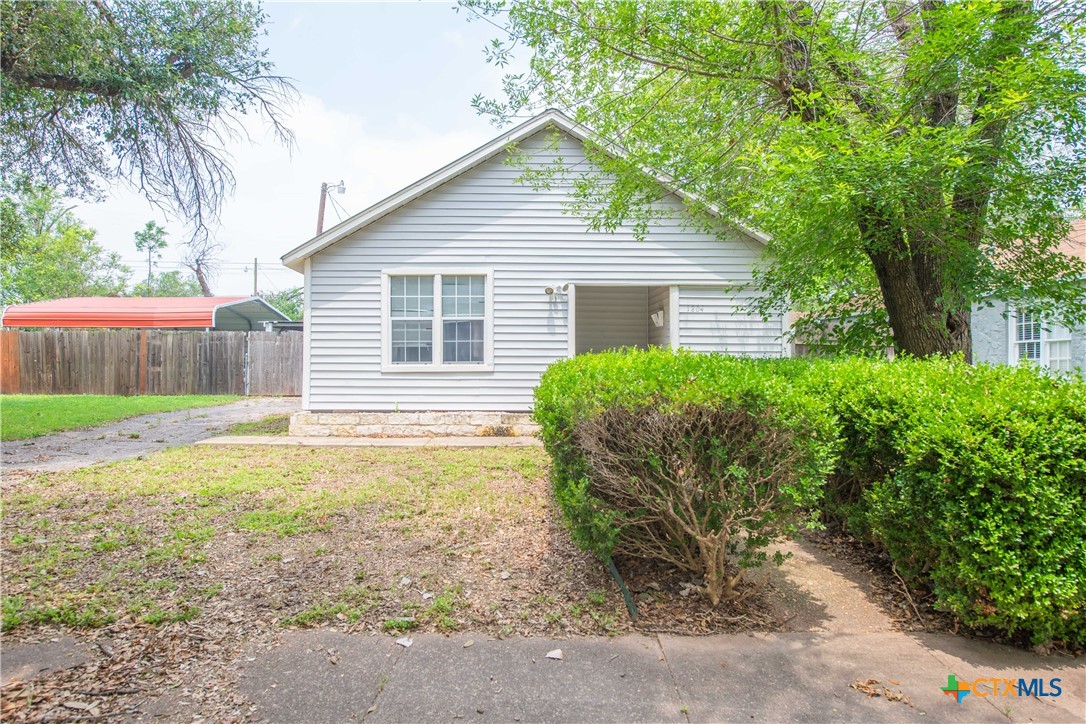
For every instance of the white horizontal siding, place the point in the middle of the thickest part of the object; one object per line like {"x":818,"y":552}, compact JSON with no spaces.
{"x":484,"y":219}
{"x":715,"y":320}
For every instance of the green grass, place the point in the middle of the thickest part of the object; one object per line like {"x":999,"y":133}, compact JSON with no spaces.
{"x":271,"y":425}
{"x":25,"y":416}
{"x":289,"y":491}
{"x":350,"y":604}
{"x":141,"y":540}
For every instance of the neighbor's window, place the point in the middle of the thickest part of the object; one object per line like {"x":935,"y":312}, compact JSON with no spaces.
{"x":1027,"y":336}
{"x":1049,"y":348}
{"x":437,"y":319}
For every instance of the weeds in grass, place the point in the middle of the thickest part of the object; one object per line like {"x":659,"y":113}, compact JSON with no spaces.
{"x":85,"y":613}
{"x":284,"y":523}
{"x":349,"y":605}
{"x":271,"y":425}
{"x":441,"y":611}
{"x":159,"y":616}
{"x":400,"y":625}
{"x":211,"y":591}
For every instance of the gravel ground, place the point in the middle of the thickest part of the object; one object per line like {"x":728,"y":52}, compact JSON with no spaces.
{"x":135,"y":436}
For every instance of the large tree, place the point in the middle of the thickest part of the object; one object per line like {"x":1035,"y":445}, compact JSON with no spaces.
{"x":908,"y":158}
{"x":47,"y":253}
{"x":145,"y":90}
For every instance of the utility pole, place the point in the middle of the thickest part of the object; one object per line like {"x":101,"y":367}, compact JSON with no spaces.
{"x":325,"y":189}
{"x":255,"y":262}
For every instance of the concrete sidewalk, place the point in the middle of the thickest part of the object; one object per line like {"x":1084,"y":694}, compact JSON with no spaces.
{"x":443,"y":441}
{"x":325,"y":676}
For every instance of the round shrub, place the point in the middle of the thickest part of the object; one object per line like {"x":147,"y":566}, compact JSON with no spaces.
{"x":667,"y":386}
{"x":704,"y":489}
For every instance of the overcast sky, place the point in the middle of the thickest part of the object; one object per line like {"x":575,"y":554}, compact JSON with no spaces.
{"x":385,"y":99}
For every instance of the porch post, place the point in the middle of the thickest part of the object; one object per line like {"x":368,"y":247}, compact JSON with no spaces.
{"x":571,"y":320}
{"x":673,"y":315}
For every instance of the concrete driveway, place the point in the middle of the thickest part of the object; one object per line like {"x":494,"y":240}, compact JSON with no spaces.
{"x":136,"y":436}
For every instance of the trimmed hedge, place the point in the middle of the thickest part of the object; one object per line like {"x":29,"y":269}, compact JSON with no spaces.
{"x":580,"y":389}
{"x":973,"y":478}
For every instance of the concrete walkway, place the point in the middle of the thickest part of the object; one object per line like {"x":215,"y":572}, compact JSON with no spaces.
{"x":136,"y":436}
{"x":327,"y":676}
{"x":445,"y":441}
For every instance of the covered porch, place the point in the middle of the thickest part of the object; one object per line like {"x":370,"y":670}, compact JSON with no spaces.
{"x":609,"y":316}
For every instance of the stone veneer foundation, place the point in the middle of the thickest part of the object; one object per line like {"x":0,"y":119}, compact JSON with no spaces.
{"x":411,"y":424}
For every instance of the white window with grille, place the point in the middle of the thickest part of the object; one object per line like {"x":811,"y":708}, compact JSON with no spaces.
{"x":1032,"y":343}
{"x":1027,"y":337}
{"x":437,"y":321}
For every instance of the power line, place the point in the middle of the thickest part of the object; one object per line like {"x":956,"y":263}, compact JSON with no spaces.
{"x":233,"y":265}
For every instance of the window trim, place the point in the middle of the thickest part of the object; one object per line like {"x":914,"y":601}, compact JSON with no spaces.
{"x":439,"y":364}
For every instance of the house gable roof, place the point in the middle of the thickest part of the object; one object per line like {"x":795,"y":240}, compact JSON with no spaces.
{"x":295,"y":259}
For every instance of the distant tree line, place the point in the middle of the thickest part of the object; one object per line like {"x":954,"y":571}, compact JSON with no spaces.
{"x":47,"y":252}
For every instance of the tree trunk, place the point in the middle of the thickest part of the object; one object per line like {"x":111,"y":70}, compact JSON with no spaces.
{"x":912,"y":291}
{"x":201,"y":277}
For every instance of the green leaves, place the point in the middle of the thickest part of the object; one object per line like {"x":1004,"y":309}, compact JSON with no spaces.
{"x":973,"y":479}
{"x":147,"y":91}
{"x":48,"y":253}
{"x":906,"y":166}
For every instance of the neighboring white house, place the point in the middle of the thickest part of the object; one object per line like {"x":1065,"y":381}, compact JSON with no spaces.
{"x":1004,"y":335}
{"x":456,"y":293}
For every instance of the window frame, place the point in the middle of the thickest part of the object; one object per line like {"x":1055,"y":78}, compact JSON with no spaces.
{"x":438,"y":341}
{"x":1049,"y":333}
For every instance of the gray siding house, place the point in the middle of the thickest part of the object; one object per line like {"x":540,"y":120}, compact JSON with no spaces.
{"x":456,"y":293}
{"x":1006,"y":335}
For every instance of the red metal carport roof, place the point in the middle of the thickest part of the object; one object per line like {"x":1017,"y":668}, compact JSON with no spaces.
{"x":143,"y":313}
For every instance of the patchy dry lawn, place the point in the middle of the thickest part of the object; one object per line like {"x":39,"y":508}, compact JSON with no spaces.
{"x":373,"y":539}
{"x":270,"y":425}
{"x":167,"y":568}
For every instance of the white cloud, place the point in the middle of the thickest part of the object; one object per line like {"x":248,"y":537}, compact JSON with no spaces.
{"x":274,"y":207}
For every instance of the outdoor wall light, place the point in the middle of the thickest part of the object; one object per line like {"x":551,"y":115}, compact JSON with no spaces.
{"x":658,"y":318}
{"x":560,"y":288}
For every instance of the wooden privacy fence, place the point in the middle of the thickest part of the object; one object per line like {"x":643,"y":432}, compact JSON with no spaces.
{"x":150,"y":362}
